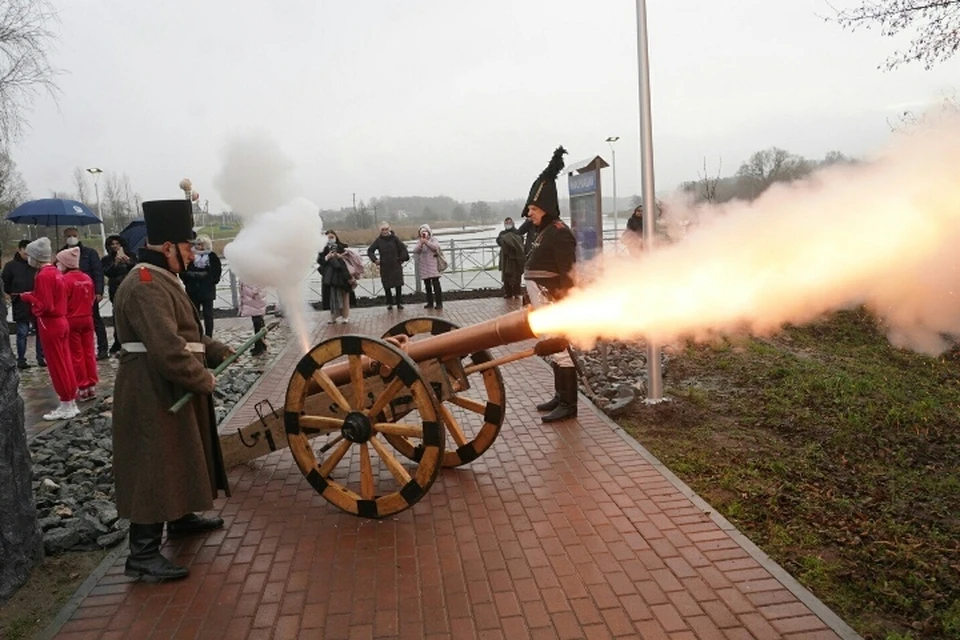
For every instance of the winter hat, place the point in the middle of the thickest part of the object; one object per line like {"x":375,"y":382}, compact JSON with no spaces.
{"x":425,"y":227}
{"x":543,"y":193}
{"x":168,"y":221}
{"x":69,"y":258}
{"x":40,"y":250}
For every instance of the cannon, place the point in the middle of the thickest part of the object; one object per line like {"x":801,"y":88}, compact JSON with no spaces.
{"x":424,"y":396}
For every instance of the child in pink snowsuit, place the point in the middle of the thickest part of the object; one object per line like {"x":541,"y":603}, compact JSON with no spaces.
{"x":80,"y":296}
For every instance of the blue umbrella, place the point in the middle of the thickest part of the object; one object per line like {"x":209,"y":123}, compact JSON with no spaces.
{"x":54,"y":212}
{"x":135,"y":235}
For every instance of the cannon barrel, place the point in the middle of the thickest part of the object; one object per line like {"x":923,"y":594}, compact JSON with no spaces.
{"x":496,"y":332}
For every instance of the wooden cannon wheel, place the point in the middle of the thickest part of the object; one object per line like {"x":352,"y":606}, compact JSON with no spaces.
{"x":481,"y":408}
{"x":348,"y":473}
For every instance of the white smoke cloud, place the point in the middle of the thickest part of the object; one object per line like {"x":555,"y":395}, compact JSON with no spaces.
{"x":884,"y":233}
{"x":281,"y":236}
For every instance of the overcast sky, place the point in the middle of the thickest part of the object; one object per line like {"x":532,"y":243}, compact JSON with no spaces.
{"x":428,"y":97}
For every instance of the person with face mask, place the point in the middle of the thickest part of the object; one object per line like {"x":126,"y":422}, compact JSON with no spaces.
{"x":80,"y":296}
{"x":201,"y":278}
{"x":166,"y":466}
{"x":512,"y":258}
{"x":116,"y":265}
{"x":336,"y":278}
{"x":389,"y":253}
{"x":48,"y":302}
{"x":90,"y":264}
{"x":18,"y":277}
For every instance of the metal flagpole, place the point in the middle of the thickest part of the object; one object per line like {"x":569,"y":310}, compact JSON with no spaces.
{"x":654,"y":373}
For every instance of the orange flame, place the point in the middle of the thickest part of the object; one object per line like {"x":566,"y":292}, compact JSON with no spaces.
{"x":883,"y":233}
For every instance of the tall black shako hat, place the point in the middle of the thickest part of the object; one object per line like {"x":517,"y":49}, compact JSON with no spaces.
{"x":168,"y":221}
{"x":543,"y":193}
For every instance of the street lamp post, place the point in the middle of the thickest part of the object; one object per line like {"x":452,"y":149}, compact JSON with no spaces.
{"x":654,"y":373}
{"x":613,"y":154}
{"x":95,"y":172}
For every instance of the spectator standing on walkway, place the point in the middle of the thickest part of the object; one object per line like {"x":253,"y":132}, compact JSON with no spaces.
{"x":336,"y":278}
{"x":633,"y":235}
{"x":116,"y":265}
{"x":253,"y":305}
{"x":550,"y":266}
{"x":18,"y":278}
{"x":80,"y":297}
{"x":512,"y":259}
{"x":201,"y":279}
{"x":90,"y":265}
{"x":389,"y":253}
{"x":429,"y":266}
{"x":48,"y":302}
{"x":166,"y":466}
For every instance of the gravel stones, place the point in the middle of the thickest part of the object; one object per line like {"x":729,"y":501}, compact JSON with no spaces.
{"x":73,"y":482}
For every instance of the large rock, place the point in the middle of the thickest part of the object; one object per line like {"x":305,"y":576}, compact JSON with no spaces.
{"x":21,"y":542}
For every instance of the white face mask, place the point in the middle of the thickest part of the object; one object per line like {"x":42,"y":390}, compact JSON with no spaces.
{"x":73,"y":241}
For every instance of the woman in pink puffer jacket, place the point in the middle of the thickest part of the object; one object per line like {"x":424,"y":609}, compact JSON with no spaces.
{"x":426,"y":253}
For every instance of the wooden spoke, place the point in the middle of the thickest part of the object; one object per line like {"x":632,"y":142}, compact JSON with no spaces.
{"x":366,"y":473}
{"x":330,"y":445}
{"x":331,"y":389}
{"x":356,"y":379}
{"x":323,"y":399}
{"x":321,"y":423}
{"x":400,"y":429}
{"x":399,"y":473}
{"x":328,"y":465}
{"x":469,"y":405}
{"x":456,"y":432}
{"x":388,"y":394}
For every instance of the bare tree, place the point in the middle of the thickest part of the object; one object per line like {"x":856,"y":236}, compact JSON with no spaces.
{"x":25,"y":69}
{"x":769,"y":166}
{"x":708,"y":185}
{"x":936,"y":24}
{"x":13,"y":191}
{"x":81,"y":186}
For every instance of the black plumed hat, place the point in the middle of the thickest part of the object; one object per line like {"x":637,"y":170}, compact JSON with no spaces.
{"x":543,"y":193}
{"x":168,"y":221}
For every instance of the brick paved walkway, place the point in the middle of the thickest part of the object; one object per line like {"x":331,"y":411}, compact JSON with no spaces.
{"x":567,"y":531}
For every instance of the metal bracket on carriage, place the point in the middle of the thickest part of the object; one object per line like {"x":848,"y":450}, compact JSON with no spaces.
{"x":266,"y":427}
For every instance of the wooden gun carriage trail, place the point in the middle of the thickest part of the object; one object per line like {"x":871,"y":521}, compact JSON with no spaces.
{"x":426,"y":395}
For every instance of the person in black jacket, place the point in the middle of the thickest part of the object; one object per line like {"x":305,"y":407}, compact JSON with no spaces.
{"x":116,"y":265}
{"x":336,"y":278}
{"x":18,"y":278}
{"x":201,"y":278}
{"x":389,"y":253}
{"x":550,"y":265}
{"x":90,"y":265}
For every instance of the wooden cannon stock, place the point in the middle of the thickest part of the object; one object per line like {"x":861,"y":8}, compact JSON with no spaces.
{"x":431,"y":390}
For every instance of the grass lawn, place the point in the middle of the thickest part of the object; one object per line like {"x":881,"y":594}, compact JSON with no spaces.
{"x":837,"y":454}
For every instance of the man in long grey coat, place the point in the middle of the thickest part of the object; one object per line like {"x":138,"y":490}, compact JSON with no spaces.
{"x":166,"y":466}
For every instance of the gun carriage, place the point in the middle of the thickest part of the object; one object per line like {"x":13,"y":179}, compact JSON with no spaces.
{"x":424,"y":396}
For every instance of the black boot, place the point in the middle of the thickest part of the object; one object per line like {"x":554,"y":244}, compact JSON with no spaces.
{"x":145,"y":559}
{"x":552,"y":403}
{"x":192,"y":523}
{"x":567,"y":389}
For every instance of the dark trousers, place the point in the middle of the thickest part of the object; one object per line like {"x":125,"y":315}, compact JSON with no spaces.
{"x":205,"y":307}
{"x":511,"y":285}
{"x":257,"y":325}
{"x":100,"y":329}
{"x":434,"y":293}
{"x":390,"y":295}
{"x":23,"y":331}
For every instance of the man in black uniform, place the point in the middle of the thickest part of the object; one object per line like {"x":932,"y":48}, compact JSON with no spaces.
{"x":550,"y":266}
